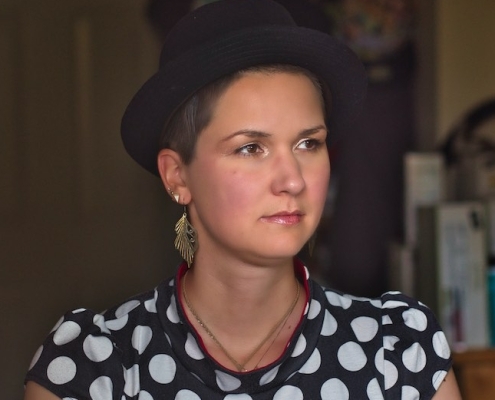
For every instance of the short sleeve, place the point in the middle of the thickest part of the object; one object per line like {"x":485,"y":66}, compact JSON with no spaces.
{"x":416,"y":355}
{"x":79,"y":359}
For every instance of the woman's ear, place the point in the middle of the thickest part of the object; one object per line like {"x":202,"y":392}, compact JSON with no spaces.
{"x":170,"y":167}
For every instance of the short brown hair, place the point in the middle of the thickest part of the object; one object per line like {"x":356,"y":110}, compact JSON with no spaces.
{"x":181,"y":131}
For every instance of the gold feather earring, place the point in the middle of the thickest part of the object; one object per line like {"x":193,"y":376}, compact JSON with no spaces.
{"x":186,"y":237}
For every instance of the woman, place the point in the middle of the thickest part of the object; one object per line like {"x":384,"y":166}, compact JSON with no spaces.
{"x":235,"y":123}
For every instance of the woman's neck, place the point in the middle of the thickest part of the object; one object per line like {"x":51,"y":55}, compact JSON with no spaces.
{"x":239,"y":293}
{"x":240,"y":306}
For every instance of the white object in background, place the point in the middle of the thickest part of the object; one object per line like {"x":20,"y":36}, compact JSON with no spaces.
{"x":452,"y":266}
{"x":424,"y":185}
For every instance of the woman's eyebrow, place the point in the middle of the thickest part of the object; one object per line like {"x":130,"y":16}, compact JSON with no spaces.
{"x":312,"y":131}
{"x":252,"y":133}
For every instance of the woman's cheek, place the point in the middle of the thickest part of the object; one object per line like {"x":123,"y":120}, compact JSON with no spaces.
{"x":241,"y":189}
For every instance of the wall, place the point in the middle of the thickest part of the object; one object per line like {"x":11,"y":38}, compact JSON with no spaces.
{"x":465,"y":58}
{"x":81,"y":224}
{"x":456,"y":63}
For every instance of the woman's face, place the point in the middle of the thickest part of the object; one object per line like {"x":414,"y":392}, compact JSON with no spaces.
{"x":259,"y":177}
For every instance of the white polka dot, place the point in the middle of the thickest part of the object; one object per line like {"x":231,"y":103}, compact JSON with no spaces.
{"x":97,"y":348}
{"x":351,"y":356}
{"x":414,"y":358}
{"x":365,"y":328}
{"x":300,"y":346}
{"x":329,"y":325}
{"x":141,"y":338}
{"x":337,"y":300}
{"x":374,"y":391}
{"x":172,"y":314}
{"x":409,"y":393}
{"x":313,"y":363}
{"x":288,"y":392}
{"x":126,"y":308}
{"x":168,"y":340}
{"x":306,"y":273}
{"x":186,"y":394}
{"x":314,"y":309}
{"x":162,"y":368}
{"x":379,"y":360}
{"x":61,"y":370}
{"x":438,"y":378}
{"x":117,"y":324}
{"x":227,"y":382}
{"x":66,"y":333}
{"x":334,"y":389}
{"x":386,"y":320}
{"x":192,"y":348}
{"x":101,"y":389}
{"x":99,"y":321}
{"x":144,"y":395}
{"x":150,"y":304}
{"x":415,"y":319}
{"x":374,"y":302}
{"x":306,"y":308}
{"x":389,"y":342}
{"x":70,"y":398}
{"x":57,"y":325}
{"x":394,"y":304}
{"x":238,"y":397}
{"x":36,"y":357}
{"x":132,"y":383}
{"x":440,"y":345}
{"x":390,"y":374}
{"x":269,"y":376}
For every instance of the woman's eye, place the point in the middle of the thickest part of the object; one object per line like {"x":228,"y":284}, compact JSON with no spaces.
{"x":251,"y":148}
{"x":309,"y":144}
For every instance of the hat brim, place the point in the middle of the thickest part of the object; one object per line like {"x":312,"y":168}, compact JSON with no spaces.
{"x":159,"y":97}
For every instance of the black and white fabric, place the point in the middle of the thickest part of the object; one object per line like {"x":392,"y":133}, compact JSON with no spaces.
{"x":344,"y":348}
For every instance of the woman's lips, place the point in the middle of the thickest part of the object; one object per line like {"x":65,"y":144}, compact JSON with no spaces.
{"x":284,"y":218}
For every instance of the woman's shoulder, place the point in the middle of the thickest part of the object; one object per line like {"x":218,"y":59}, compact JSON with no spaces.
{"x":88,"y":348}
{"x":120,"y":320}
{"x":401,"y":334}
{"x":394,"y":316}
{"x":115,"y":321}
{"x":389,"y":304}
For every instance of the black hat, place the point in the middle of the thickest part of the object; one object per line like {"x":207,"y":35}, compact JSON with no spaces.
{"x":223,"y":37}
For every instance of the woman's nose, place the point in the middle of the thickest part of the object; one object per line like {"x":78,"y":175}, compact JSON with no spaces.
{"x":287,"y":175}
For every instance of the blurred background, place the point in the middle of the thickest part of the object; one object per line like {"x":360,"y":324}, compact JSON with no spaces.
{"x":82,"y":225}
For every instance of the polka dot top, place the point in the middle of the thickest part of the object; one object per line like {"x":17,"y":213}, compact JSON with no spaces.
{"x":344,"y":348}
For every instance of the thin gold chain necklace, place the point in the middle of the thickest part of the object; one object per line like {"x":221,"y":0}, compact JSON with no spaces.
{"x":241,"y":367}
